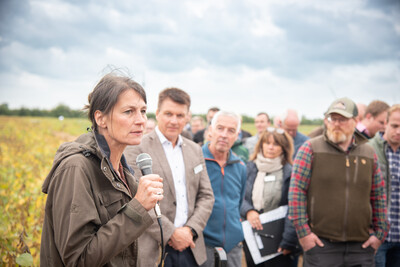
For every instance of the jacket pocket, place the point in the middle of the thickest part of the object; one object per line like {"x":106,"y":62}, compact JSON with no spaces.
{"x":111,"y":201}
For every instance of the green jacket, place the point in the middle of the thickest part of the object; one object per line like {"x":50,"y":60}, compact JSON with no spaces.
{"x":91,"y":218}
{"x":240,"y":150}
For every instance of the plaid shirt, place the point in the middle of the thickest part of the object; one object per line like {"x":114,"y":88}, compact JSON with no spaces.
{"x":393,"y":158}
{"x":300,"y":181}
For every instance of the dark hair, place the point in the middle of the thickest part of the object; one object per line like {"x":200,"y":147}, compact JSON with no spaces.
{"x":376,"y":107}
{"x":105,"y":94}
{"x":284,"y":140}
{"x":175,"y":94}
{"x":214,"y":109}
{"x":263,"y":113}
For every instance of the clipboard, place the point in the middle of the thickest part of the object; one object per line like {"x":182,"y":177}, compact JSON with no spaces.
{"x":264,"y":244}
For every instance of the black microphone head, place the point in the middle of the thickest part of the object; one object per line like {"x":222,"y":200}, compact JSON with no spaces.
{"x":144,"y":162}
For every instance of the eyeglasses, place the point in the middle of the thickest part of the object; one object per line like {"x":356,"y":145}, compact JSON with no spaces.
{"x":278,"y":130}
{"x":340,"y":120}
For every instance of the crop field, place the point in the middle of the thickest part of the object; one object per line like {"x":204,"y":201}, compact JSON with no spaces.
{"x":27,"y":148}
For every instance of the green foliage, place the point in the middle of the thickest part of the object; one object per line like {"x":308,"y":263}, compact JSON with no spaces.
{"x":306,"y":121}
{"x":60,"y":110}
{"x":27,"y":149}
{"x":25,"y":259}
{"x":66,"y":112}
{"x":247,"y":119}
{"x":151,"y":115}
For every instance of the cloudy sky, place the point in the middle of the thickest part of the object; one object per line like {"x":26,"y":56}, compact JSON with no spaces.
{"x":245,"y":56}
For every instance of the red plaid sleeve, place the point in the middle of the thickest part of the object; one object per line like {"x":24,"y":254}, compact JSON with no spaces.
{"x":299,"y":183}
{"x":378,"y":203}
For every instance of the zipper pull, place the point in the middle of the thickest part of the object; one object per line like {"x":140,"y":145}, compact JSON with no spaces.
{"x":347,"y":162}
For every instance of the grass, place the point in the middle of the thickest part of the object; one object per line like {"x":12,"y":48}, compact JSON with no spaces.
{"x":304,"y":129}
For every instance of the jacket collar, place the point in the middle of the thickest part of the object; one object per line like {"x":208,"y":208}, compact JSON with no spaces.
{"x":105,"y":150}
{"x":164,"y":139}
{"x":232,"y":158}
{"x":356,"y":140}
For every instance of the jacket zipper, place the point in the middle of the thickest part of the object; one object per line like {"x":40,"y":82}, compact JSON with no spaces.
{"x":116,"y":177}
{"x":222,"y":195}
{"x":346,"y":210}
{"x":223,"y":199}
{"x":312,"y":210}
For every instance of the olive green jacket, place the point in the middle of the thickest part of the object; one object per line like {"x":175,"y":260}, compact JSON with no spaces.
{"x":86,"y":222}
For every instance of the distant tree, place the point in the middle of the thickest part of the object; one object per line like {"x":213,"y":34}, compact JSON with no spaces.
{"x":247,"y":119}
{"x":4,"y":110}
{"x":78,"y":113}
{"x":36,"y":113}
{"x":61,"y":110}
{"x":306,"y":121}
{"x":151,"y":115}
{"x":23,"y":112}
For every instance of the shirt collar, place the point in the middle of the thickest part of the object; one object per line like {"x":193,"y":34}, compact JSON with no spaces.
{"x":164,"y":140}
{"x":381,"y":135}
{"x":361,"y":127}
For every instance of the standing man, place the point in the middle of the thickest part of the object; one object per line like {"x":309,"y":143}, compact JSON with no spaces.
{"x":374,"y":119}
{"x":336,"y":195}
{"x":228,"y":179}
{"x":262,"y":123}
{"x":197,"y":124}
{"x":290,"y":123}
{"x":188,"y":197}
{"x":199,"y":137}
{"x":387,"y":147}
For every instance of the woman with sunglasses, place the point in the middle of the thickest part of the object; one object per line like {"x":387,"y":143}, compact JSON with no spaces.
{"x":268,"y":177}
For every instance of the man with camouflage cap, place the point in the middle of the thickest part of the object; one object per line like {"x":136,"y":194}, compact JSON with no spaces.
{"x":336,"y":196}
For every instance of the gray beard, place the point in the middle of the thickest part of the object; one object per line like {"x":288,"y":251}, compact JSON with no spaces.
{"x":337,"y":138}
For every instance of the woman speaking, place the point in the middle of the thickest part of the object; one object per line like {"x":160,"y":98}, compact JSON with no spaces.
{"x":95,"y":208}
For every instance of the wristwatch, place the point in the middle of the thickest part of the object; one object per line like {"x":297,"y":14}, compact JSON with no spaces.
{"x":194,"y":233}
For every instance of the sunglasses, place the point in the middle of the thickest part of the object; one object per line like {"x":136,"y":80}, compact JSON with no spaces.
{"x":278,"y":130}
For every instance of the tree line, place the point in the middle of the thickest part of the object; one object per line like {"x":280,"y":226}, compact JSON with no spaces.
{"x":67,"y":112}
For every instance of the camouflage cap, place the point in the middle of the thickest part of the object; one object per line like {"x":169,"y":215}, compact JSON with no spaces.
{"x":343,"y":106}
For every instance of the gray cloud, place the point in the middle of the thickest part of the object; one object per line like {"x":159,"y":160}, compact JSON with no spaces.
{"x":274,"y":47}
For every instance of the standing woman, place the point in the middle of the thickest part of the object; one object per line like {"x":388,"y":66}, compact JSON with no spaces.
{"x":95,"y":209}
{"x":272,"y":158}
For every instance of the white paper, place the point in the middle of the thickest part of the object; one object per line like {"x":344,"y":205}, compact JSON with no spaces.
{"x":250,"y":238}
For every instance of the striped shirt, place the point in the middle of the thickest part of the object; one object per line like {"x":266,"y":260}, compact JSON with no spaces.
{"x":300,"y":181}
{"x":393,"y":158}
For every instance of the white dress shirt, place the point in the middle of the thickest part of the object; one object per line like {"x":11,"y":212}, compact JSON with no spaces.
{"x":177,"y":165}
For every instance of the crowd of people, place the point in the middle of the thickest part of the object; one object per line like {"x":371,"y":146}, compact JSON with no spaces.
{"x":341,"y":185}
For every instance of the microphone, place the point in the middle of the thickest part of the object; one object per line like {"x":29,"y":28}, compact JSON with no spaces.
{"x":144,"y":162}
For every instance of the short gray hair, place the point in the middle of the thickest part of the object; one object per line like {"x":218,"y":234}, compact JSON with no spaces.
{"x":228,"y":114}
{"x":290,"y":113}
